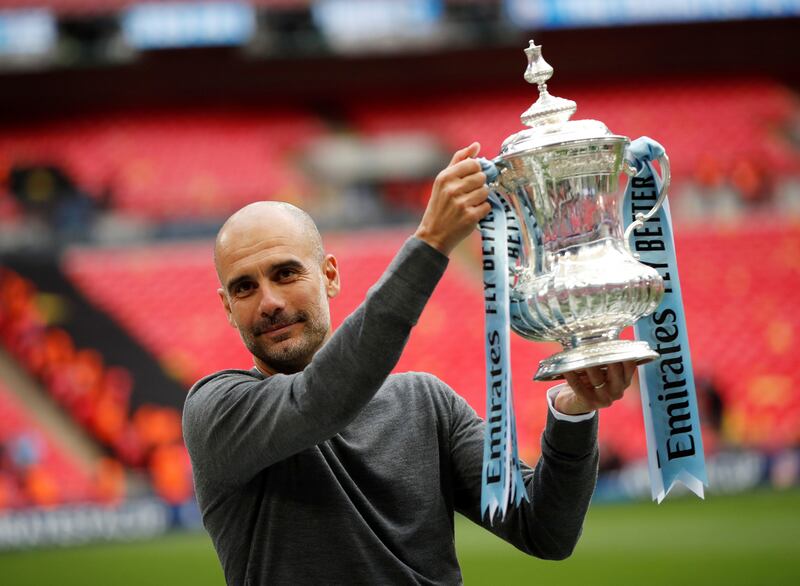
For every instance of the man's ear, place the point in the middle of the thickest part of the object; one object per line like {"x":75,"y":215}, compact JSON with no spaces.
{"x":227,"y":305}
{"x":330,"y":268}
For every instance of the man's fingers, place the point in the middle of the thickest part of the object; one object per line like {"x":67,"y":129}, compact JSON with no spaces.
{"x":615,"y":375}
{"x":598,"y":384}
{"x":473,"y":181}
{"x":577,"y":385}
{"x":596,"y":376}
{"x":481,"y":210}
{"x":454,"y":186}
{"x":602,"y":395}
{"x":465,"y":153}
{"x":463,"y":169}
{"x":629,"y":368}
{"x":582,"y":387}
{"x":476,"y":196}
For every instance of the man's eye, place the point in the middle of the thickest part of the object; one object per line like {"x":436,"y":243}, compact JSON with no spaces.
{"x":286,"y":274}
{"x":243,"y":288}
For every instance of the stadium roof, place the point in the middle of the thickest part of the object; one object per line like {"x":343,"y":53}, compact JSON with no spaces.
{"x":80,"y":7}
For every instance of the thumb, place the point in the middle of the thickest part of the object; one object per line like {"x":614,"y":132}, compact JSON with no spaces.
{"x":465,"y":153}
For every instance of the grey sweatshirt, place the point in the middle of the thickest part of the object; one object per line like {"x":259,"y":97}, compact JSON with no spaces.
{"x":342,"y":474}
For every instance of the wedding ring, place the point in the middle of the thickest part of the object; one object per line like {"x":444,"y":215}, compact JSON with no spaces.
{"x":600,"y":386}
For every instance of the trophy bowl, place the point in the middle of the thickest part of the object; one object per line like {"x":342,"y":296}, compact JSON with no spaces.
{"x":574,"y":279}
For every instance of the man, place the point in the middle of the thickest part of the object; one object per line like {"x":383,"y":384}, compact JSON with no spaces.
{"x":317,"y":466}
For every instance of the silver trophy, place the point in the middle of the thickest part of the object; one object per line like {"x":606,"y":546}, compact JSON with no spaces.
{"x":575,"y":279}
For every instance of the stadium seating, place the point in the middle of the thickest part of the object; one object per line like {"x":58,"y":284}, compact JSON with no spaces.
{"x":738,"y":283}
{"x":162,"y":165}
{"x":166,"y":296}
{"x":96,"y":395}
{"x":674,"y":112}
{"x":34,"y":470}
{"x":203,"y":163}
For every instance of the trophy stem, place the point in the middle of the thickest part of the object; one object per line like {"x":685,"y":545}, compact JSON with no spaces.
{"x":583,"y":341}
{"x":596,"y":354}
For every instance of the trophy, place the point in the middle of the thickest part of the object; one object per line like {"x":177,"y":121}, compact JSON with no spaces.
{"x":574,"y":279}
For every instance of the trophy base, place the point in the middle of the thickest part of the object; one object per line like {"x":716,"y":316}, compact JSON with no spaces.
{"x":598,"y":354}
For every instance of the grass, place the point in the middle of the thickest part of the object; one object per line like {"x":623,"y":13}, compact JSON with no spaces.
{"x":747,"y":540}
{"x":733,"y":540}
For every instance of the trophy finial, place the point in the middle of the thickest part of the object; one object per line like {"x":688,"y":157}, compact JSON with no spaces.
{"x":547,"y":109}
{"x":539,"y":70}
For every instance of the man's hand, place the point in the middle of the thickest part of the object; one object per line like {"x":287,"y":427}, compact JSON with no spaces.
{"x":458,"y":200}
{"x":594,"y":388}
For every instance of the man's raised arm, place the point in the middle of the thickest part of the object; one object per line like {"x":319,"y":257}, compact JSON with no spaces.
{"x":237,"y":423}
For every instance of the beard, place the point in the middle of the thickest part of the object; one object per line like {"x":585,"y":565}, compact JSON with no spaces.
{"x":287,"y":353}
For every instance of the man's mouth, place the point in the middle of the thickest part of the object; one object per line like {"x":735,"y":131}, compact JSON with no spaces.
{"x":274,"y":328}
{"x":278,"y":328}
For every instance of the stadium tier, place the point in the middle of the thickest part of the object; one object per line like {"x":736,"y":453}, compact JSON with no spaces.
{"x":34,"y":470}
{"x":744,"y":123}
{"x":96,"y":396}
{"x":738,"y":285}
{"x":171,"y":164}
{"x":202,"y":164}
{"x":166,"y":296}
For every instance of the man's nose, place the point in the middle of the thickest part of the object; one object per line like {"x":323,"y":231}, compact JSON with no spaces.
{"x":271,"y":300}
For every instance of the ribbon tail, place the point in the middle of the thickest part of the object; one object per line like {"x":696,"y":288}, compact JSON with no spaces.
{"x":669,"y":402}
{"x":501,"y":481}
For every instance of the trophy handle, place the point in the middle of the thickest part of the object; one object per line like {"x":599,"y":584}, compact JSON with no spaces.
{"x":641,"y":218}
{"x":523,"y":322}
{"x":523,"y":217}
{"x":490,"y":169}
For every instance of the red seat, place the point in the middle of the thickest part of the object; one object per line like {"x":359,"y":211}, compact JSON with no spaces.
{"x":173,"y":164}
{"x":73,"y":482}
{"x":738,"y":284}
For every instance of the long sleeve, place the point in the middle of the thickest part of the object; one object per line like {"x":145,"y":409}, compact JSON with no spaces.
{"x":237,"y":423}
{"x":560,"y":487}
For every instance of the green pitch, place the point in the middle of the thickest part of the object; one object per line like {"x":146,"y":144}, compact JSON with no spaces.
{"x":747,"y":540}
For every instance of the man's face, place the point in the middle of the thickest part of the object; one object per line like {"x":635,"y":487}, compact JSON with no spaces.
{"x":275,"y":291}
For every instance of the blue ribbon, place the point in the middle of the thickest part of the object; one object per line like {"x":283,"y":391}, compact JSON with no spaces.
{"x":669,"y":403}
{"x":501,"y":478}
{"x":672,"y":423}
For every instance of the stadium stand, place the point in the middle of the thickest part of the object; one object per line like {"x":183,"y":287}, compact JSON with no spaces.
{"x":161,"y":165}
{"x":187,"y":164}
{"x":96,"y":395}
{"x":200,"y":164}
{"x":178,"y":316}
{"x":675,"y":112}
{"x":735,"y":280}
{"x":197,"y":164}
{"x":34,"y":469}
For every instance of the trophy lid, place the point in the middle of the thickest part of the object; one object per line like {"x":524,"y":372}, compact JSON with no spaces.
{"x":548,"y":118}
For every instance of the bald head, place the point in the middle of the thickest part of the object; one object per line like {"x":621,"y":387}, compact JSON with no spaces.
{"x":266,"y":217}
{"x":276,"y":284}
